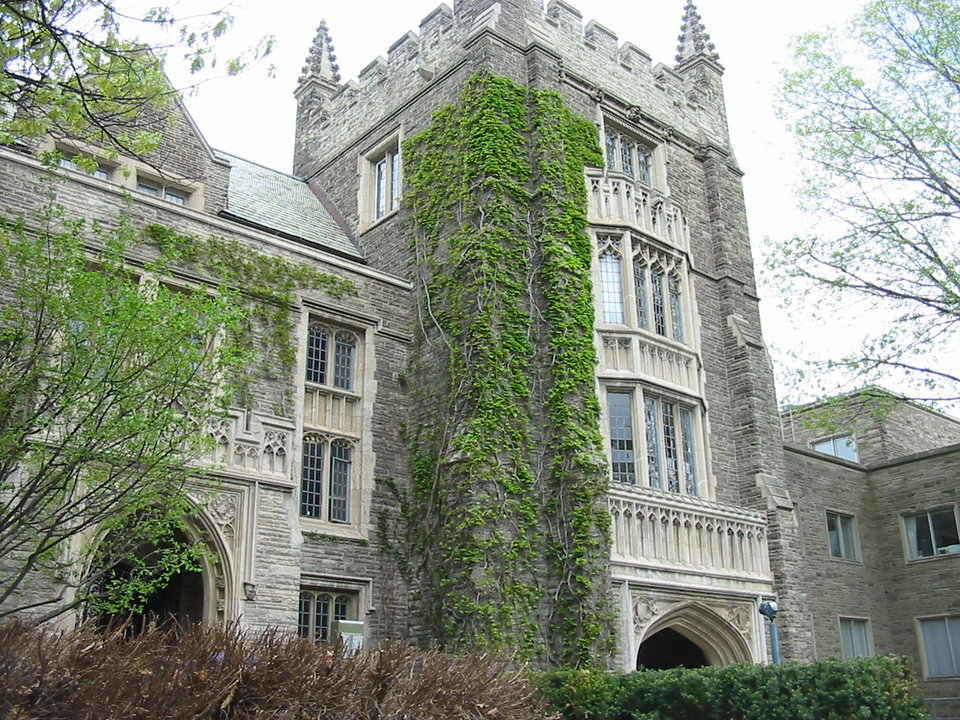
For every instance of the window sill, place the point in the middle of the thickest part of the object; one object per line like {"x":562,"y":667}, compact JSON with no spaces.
{"x":845,"y":561}
{"x":932,"y":558}
{"x":342,"y":531}
{"x":370,"y":225}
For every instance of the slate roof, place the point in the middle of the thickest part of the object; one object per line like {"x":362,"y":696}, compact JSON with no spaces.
{"x":283,"y":203}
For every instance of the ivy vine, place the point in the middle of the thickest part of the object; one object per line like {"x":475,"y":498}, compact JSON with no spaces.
{"x":267,"y":285}
{"x":507,"y":517}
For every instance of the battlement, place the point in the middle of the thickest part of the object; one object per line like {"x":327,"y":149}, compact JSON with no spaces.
{"x":331,"y":114}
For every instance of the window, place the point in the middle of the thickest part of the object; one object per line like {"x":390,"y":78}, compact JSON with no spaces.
{"x":611,"y":284}
{"x":629,"y":156}
{"x":318,"y":357}
{"x":669,"y":442}
{"x":621,"y":437}
{"x":841,"y":446}
{"x":941,"y":646}
{"x":326,"y":470}
{"x":658,"y":295}
{"x":855,"y":638}
{"x":331,"y":423}
{"x":321,"y":609}
{"x":383,"y":182}
{"x":932,"y":533}
{"x":102,"y":171}
{"x":163,"y":192}
{"x":841,"y":536}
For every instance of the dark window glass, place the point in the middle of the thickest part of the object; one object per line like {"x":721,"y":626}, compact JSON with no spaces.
{"x":340,"y":467}
{"x":343,"y":361}
{"x":317,"y":355}
{"x":311,"y":478}
{"x":621,"y":437}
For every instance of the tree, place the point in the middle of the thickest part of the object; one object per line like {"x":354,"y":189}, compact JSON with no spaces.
{"x":68,"y":67}
{"x":111,"y":378}
{"x":875,"y":114}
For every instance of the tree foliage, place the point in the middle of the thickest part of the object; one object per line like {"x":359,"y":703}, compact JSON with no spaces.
{"x":72,"y":68}
{"x":875,"y":113}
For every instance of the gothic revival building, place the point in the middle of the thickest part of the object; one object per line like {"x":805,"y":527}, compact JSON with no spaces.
{"x":709,"y":515}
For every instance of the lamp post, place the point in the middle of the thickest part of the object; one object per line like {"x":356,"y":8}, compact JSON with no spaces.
{"x":768,"y":608}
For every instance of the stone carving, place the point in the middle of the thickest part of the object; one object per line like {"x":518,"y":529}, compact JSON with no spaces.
{"x":275,"y":451}
{"x":223,"y":508}
{"x":645,"y":608}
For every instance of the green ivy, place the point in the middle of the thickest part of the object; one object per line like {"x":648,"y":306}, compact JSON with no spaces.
{"x":507,"y":517}
{"x":267,"y":285}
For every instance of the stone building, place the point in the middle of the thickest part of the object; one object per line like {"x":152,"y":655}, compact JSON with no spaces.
{"x":710,"y":515}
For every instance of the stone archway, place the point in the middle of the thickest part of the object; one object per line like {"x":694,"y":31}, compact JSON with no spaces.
{"x":692,"y":635}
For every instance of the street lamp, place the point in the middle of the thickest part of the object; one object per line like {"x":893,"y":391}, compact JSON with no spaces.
{"x":768,"y":608}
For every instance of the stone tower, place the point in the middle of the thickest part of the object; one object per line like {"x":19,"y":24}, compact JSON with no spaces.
{"x":703,"y":525}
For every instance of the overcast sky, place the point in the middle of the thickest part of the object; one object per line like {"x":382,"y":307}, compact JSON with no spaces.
{"x":254,"y":117}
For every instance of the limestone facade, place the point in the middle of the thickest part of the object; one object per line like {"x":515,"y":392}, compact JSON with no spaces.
{"x":710,"y":515}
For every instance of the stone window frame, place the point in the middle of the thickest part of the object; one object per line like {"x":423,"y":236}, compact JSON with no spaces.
{"x":922,"y":646}
{"x":905,"y":533}
{"x":359,"y":589}
{"x":615,"y":135}
{"x":105,"y":170}
{"x":331,"y":402}
{"x":868,"y":634}
{"x":855,"y":529}
{"x":639,"y":393}
{"x":386,"y":151}
{"x":832,"y":439}
{"x":632,"y":251}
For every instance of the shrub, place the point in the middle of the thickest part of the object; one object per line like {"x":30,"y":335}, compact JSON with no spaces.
{"x":226,"y":674}
{"x":870,"y":689}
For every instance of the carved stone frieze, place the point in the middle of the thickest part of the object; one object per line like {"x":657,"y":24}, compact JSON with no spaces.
{"x":645,"y":609}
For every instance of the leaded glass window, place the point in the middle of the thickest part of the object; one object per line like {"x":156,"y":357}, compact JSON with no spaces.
{"x":311,"y":477}
{"x":340,"y":469}
{"x":622,"y":457}
{"x":611,"y":287}
{"x":671,"y":446}
{"x":343,"y":361}
{"x":641,"y":294}
{"x":320,"y":609}
{"x":659,"y":314}
{"x":626,"y":153}
{"x":689,"y":459}
{"x":654,"y":470}
{"x":676,"y":308}
{"x":381,"y":188}
{"x":317,"y":338}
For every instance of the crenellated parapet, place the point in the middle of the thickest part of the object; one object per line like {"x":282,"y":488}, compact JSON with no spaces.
{"x":687,"y":99}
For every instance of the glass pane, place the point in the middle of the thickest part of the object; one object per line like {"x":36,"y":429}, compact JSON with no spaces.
{"x":953,"y":631}
{"x":833,"y":535}
{"x":945,"y":538}
{"x":670,"y":447}
{"x":311,"y":479}
{"x":621,"y":437}
{"x":626,"y":154}
{"x":149,"y":189}
{"x":381,"y":188}
{"x":317,"y":355}
{"x":846,"y":532}
{"x":845,"y":447}
{"x":643,"y":162}
{"x":611,"y":288}
{"x":676,"y":309}
{"x":396,"y":180}
{"x":303,"y":622}
{"x":340,"y":466}
{"x":918,"y":536}
{"x":651,"y":412}
{"x":936,"y":645}
{"x":340,"y":608}
{"x":846,"y":638}
{"x":343,"y":361}
{"x":640,"y":290}
{"x":853,"y":638}
{"x":175,"y":196}
{"x":689,"y":458}
{"x":659,"y":318}
{"x":612,"y":157}
{"x":824,"y":446}
{"x":322,"y":618}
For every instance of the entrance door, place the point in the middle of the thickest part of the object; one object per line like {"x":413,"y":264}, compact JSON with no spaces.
{"x":669,"y":649}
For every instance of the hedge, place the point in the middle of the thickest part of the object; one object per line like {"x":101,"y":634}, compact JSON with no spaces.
{"x":879,"y":688}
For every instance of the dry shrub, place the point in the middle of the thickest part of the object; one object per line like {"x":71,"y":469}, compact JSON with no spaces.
{"x":226,"y":674}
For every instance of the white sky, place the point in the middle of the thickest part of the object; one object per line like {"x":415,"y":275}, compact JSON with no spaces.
{"x":254,"y":117}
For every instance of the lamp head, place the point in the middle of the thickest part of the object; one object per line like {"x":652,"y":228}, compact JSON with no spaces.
{"x":768,"y":608}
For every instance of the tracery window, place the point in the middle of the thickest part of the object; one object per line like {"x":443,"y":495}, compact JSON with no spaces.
{"x":611,"y":285}
{"x":628,"y":155}
{"x":326,"y":471}
{"x":319,"y":360}
{"x":321,"y":609}
{"x":671,"y":442}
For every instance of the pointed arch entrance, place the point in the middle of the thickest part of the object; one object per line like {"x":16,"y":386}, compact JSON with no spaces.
{"x":691,"y":635}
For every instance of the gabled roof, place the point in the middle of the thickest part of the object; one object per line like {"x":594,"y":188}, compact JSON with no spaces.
{"x":284,"y":204}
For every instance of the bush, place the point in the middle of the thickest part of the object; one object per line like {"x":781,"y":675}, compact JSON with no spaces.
{"x":869,"y":689}
{"x":226,"y":674}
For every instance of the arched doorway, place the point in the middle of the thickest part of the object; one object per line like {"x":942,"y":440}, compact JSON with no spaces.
{"x":669,"y":649}
{"x":691,"y":634}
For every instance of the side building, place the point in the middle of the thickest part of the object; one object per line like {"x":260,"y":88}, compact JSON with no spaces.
{"x":879,"y":509}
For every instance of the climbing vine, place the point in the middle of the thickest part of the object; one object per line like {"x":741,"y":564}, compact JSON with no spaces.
{"x":266,"y":283}
{"x":506,"y":518}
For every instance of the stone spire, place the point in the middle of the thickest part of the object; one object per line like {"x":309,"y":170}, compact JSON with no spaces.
{"x":321,"y":61}
{"x":693,"y":39}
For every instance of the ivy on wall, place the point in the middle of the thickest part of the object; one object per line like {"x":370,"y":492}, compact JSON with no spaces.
{"x":267,"y":285}
{"x":507,"y":521}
